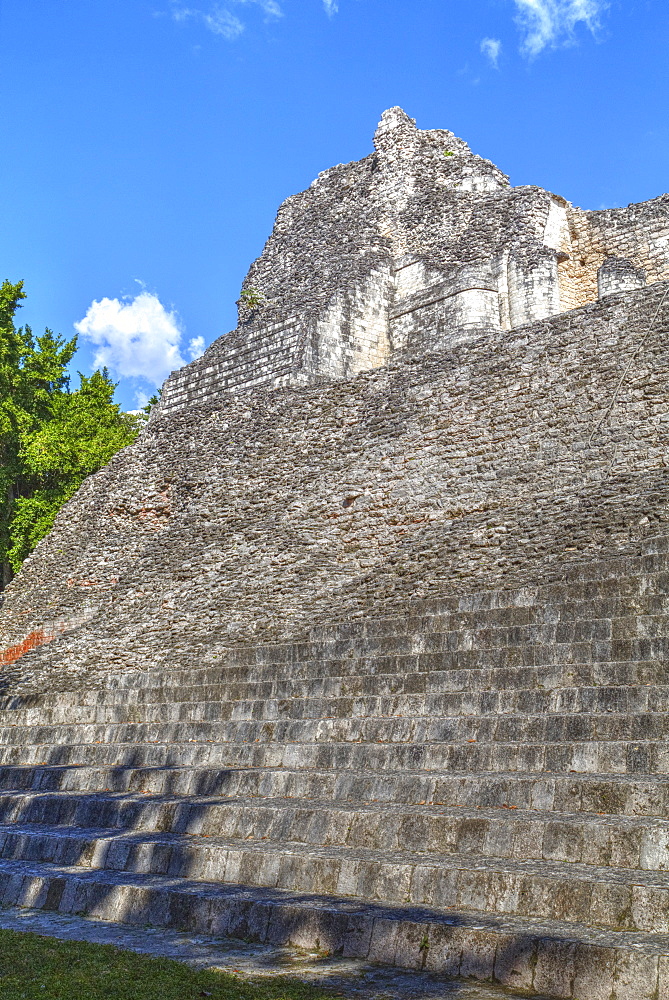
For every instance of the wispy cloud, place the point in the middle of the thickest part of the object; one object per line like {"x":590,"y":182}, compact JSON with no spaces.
{"x":548,"y":23}
{"x":219,"y":19}
{"x":222,"y":22}
{"x":491,"y":48}
{"x":331,"y":7}
{"x":137,"y":337}
{"x":195,"y":348}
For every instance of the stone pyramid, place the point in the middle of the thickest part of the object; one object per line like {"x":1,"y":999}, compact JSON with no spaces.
{"x":362,"y":645}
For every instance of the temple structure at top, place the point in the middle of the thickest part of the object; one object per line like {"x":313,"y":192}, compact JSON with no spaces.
{"x":416,"y":247}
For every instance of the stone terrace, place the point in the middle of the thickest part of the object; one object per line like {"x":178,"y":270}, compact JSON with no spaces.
{"x":488,"y":466}
{"x":478,"y":789}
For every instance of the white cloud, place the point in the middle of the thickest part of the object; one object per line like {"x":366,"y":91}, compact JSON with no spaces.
{"x":181,"y":13}
{"x":219,"y":19}
{"x":270,"y":7}
{"x":548,"y":23}
{"x":222,"y":22}
{"x":491,"y":48}
{"x":331,"y":7}
{"x":141,"y":398}
{"x":195,"y":348}
{"x":136,"y":338}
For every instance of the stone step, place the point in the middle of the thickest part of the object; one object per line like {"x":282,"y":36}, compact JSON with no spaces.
{"x":569,"y":959}
{"x":627,"y":578}
{"x":436,"y":635}
{"x":417,"y":629}
{"x":502,"y":668}
{"x":594,"y":794}
{"x":505,"y":832}
{"x":533,"y":701}
{"x":626,"y":675}
{"x":587,"y":642}
{"x":655,"y":544}
{"x":567,"y":727}
{"x":599,"y":897}
{"x":638,"y":757}
{"x":651,"y":590}
{"x":599,"y":570}
{"x":421,"y":636}
{"x":330,"y":677}
{"x":457,"y":648}
{"x":341,"y":976}
{"x":573,"y":610}
{"x":644,"y":675}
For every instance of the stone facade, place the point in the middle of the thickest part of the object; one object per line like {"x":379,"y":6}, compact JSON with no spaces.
{"x":252,"y":516}
{"x":362,"y":645}
{"x":419,"y":246}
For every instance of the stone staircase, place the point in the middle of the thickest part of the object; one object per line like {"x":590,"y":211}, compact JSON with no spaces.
{"x":253,"y":356}
{"x":474,"y":785}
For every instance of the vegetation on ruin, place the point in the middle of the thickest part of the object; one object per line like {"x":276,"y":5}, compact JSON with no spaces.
{"x":252,"y":298}
{"x":33,"y":967}
{"x":51,"y":437}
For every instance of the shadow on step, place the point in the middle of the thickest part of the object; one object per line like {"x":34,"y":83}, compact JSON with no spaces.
{"x":143,"y":861}
{"x":60,"y":859}
{"x":450,"y":946}
{"x":348,"y":977}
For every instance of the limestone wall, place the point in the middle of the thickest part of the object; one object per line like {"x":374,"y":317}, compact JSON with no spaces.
{"x":639,"y":233}
{"x":488,"y":399}
{"x":352,"y":334}
{"x":259,"y":513}
{"x":324,"y":280}
{"x":269,"y":353}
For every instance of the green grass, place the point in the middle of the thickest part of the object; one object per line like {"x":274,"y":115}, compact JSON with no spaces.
{"x":33,"y":967}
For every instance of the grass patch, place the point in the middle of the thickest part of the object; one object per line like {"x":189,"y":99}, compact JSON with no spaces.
{"x":33,"y":967}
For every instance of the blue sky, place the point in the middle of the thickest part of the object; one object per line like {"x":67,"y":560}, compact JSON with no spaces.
{"x":148,"y":143}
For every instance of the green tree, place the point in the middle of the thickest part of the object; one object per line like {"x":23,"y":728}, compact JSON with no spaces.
{"x":50,"y":438}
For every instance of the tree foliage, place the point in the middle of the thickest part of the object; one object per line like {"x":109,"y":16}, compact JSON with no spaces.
{"x":50,"y":437}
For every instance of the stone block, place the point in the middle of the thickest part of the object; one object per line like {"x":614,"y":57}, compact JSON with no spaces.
{"x":446,"y":945}
{"x":412,"y":944}
{"x":357,"y":935}
{"x":383,"y":941}
{"x":478,"y":954}
{"x":555,"y":969}
{"x":307,"y":927}
{"x":433,"y":886}
{"x":650,"y":908}
{"x":594,"y":972}
{"x":611,"y":905}
{"x":515,"y":961}
{"x":242,"y":918}
{"x":636,"y":976}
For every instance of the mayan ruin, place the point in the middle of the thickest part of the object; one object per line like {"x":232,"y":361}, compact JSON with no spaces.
{"x":362,"y":645}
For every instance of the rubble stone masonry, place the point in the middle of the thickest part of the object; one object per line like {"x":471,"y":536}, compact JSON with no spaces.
{"x":256,"y":514}
{"x":418,"y":246}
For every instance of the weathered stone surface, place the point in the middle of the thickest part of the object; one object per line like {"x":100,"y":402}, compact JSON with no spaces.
{"x":419,"y":246}
{"x":376,"y":666}
{"x":479,"y":468}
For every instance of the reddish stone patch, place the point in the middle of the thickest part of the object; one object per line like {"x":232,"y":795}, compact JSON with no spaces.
{"x":32,"y":641}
